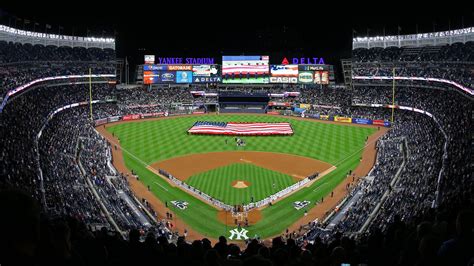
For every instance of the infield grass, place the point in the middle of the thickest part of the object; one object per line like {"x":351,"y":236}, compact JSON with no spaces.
{"x":217,"y":183}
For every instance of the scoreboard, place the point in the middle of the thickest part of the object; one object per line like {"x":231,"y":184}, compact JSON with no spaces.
{"x":239,"y":70}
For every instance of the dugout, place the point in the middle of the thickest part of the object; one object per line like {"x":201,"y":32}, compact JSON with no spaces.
{"x":241,"y":102}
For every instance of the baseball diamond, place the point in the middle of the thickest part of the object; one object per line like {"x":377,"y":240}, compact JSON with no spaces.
{"x":270,"y":168}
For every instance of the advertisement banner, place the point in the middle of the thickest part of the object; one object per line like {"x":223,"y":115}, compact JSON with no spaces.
{"x":292,"y":94}
{"x":202,"y":71}
{"x":113,"y":118}
{"x":180,"y":68}
{"x":378,"y":122}
{"x":168,"y":77}
{"x":273,"y":113}
{"x":312,"y":67}
{"x":343,"y":119}
{"x":206,"y":74}
{"x":99,"y":122}
{"x":215,"y":79}
{"x":151,"y":77}
{"x":284,"y":74}
{"x":131,"y":117}
{"x":324,"y":117}
{"x":153,"y":114}
{"x":362,"y":121}
{"x":154,"y":67}
{"x":316,"y":116}
{"x":149,"y":59}
{"x":305,"y":105}
{"x":305,"y":77}
{"x":299,"y":110}
{"x":184,"y":76}
{"x":278,"y":104}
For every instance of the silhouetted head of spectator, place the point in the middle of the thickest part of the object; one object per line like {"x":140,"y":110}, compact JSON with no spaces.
{"x":281,"y":256}
{"x":212,"y":257}
{"x":234,"y":250}
{"x":19,"y":225}
{"x":264,"y":252}
{"x":134,"y":236}
{"x":222,"y":240}
{"x":162,"y":240}
{"x":338,"y":255}
{"x":423,"y":229}
{"x":306,"y":256}
{"x":150,"y":239}
{"x":465,"y":223}
{"x":206,"y":243}
{"x":257,"y":261}
{"x":277,"y":242}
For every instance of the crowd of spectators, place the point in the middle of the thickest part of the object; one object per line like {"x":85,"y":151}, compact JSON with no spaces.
{"x":457,"y":52}
{"x":18,"y":52}
{"x":451,"y":62}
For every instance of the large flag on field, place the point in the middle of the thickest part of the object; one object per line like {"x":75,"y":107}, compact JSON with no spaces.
{"x":231,"y":128}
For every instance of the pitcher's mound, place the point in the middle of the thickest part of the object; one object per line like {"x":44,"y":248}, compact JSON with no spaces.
{"x":240,"y":184}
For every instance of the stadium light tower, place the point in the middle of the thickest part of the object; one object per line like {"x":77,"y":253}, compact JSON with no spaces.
{"x":393,"y":94}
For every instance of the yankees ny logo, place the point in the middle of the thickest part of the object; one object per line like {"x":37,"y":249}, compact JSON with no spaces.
{"x":238,"y":235}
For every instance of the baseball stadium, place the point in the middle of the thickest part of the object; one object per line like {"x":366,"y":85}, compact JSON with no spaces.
{"x":116,"y":157}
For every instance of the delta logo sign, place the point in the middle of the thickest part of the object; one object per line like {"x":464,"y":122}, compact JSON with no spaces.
{"x":303,"y":61}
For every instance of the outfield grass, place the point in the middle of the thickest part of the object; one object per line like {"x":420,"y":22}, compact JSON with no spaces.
{"x":218,"y":183}
{"x":150,"y":141}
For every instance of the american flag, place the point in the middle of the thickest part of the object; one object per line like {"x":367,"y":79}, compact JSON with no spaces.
{"x":241,"y":129}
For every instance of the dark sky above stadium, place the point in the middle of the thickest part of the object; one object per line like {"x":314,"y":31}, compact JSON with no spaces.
{"x":210,"y":29}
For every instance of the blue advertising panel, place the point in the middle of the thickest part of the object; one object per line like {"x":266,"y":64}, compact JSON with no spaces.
{"x":168,"y":77}
{"x":154,"y":67}
{"x":362,"y":121}
{"x":184,"y":76}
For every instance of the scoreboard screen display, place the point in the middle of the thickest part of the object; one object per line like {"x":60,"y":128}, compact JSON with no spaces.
{"x":245,"y":69}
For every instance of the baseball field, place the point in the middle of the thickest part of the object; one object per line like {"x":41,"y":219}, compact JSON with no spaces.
{"x":238,"y":174}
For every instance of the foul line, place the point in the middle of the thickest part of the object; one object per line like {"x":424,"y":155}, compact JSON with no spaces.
{"x":354,"y":153}
{"x":160,"y":186}
{"x":323,"y":184}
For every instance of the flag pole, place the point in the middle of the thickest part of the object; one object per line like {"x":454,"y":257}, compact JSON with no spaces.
{"x":90,"y":92}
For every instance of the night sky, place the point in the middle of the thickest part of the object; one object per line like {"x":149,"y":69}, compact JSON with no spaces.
{"x":180,"y":29}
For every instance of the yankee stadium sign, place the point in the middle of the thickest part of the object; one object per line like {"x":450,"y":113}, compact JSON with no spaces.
{"x":183,"y":60}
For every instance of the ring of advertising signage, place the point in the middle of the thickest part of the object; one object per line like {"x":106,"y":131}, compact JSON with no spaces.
{"x":245,"y":69}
